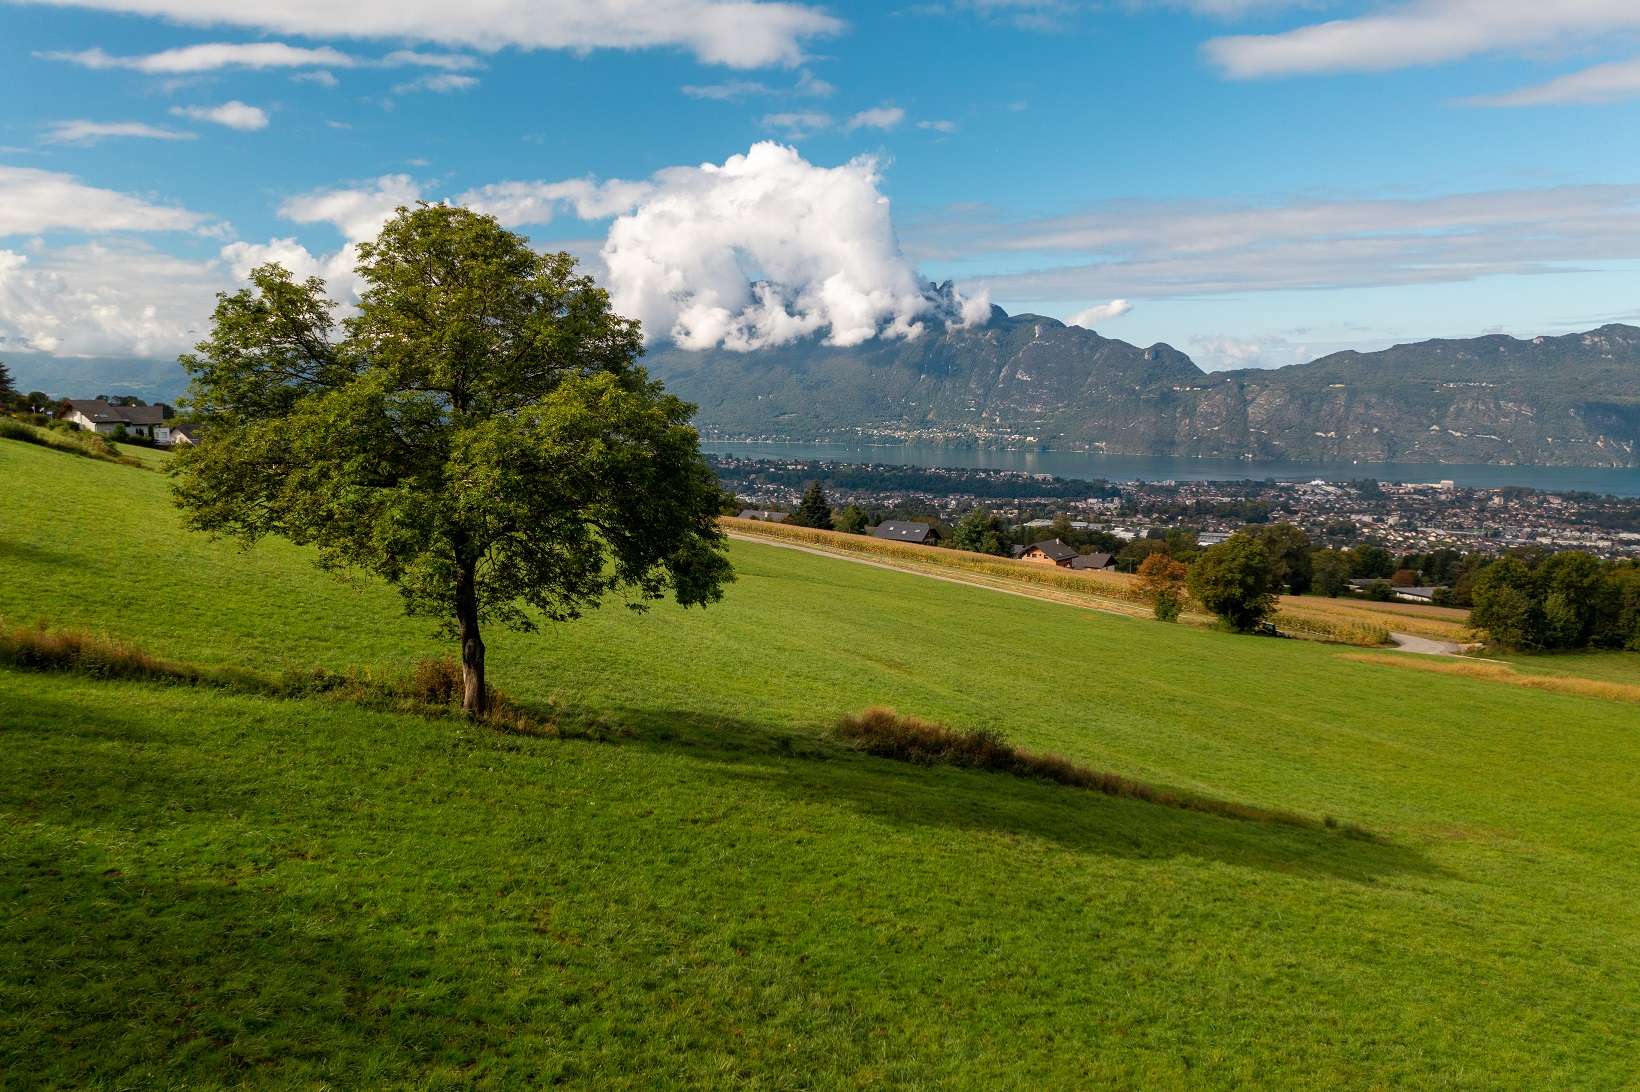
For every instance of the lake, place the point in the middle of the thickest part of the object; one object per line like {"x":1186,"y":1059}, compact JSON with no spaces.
{"x":1121,"y":468}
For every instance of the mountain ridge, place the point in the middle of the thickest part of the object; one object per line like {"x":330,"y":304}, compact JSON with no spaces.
{"x":1566,"y":400}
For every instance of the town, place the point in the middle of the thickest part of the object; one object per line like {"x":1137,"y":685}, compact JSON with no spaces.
{"x":1403,"y":518}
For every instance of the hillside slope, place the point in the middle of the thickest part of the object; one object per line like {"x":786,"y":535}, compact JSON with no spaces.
{"x":203,"y":888}
{"x":1572,"y":400}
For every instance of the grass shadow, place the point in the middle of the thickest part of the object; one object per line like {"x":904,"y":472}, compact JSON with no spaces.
{"x":810,"y":767}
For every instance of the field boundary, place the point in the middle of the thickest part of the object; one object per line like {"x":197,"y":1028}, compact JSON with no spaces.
{"x":1112,"y":593}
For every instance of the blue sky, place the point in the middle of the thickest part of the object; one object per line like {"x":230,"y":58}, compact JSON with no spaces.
{"x":1257,"y":182}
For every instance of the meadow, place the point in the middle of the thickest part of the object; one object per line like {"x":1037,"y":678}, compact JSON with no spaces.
{"x":704,"y":886}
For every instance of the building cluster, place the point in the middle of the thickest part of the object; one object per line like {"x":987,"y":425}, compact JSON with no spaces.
{"x":1403,"y":517}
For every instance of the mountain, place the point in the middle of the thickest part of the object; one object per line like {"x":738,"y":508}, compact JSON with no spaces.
{"x":86,"y":377}
{"x":1027,"y":379}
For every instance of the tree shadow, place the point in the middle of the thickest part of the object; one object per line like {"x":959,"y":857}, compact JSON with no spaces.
{"x":810,"y":767}
{"x":33,"y":553}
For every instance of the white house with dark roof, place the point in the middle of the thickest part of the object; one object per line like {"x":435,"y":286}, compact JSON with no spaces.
{"x":95,"y":415}
{"x":906,"y":531}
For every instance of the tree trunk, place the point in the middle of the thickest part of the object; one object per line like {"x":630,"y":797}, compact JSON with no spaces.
{"x":474,"y":698}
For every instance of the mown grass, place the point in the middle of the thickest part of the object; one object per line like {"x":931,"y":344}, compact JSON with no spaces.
{"x":203,"y":887}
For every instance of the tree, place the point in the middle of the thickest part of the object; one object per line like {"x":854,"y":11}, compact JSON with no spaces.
{"x":479,"y":434}
{"x":981,"y":532}
{"x":1330,"y":572}
{"x":1236,"y":581}
{"x":814,"y":510}
{"x":1289,"y":550}
{"x":1134,"y":553}
{"x":851,"y":520}
{"x":1506,"y":604}
{"x":1162,"y":580}
{"x":8,"y":385}
{"x":1371,"y":562}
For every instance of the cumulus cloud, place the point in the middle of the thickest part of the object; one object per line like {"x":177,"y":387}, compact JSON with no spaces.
{"x":1088,"y":317}
{"x":104,"y":299}
{"x":1603,"y":83}
{"x":878,"y":117}
{"x":519,"y":204}
{"x":1422,"y":32}
{"x":211,"y":57}
{"x":233,"y":114}
{"x":34,"y":201}
{"x":90,"y":132}
{"x":764,"y":249}
{"x":738,"y":33}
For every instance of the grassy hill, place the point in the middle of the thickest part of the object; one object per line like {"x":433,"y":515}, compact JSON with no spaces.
{"x":202,"y":887}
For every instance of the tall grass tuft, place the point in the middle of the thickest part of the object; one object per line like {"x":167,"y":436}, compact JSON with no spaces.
{"x":1502,"y":673}
{"x":886,"y":733}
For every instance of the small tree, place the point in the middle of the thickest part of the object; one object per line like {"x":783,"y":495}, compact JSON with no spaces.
{"x":479,"y":435}
{"x":1507,"y":605}
{"x":1330,"y":572}
{"x":1162,"y":580}
{"x":8,"y":385}
{"x":1289,"y":550}
{"x":981,"y":532}
{"x":851,"y":520}
{"x":814,"y":510}
{"x":1236,"y":581}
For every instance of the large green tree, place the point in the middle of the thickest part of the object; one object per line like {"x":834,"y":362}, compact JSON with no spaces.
{"x":8,"y":386}
{"x":1236,"y":580}
{"x":479,"y":434}
{"x":980,"y":531}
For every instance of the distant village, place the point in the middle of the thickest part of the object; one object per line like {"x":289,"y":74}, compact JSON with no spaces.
{"x":1403,"y":518}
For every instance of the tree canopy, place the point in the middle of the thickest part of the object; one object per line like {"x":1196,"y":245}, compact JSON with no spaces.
{"x":814,"y":510}
{"x":1236,"y":580}
{"x":479,"y":434}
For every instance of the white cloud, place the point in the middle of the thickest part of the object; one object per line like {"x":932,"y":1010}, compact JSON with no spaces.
{"x":878,"y":117}
{"x":517,"y":204}
{"x":211,"y":57}
{"x":1174,"y":250}
{"x":1602,"y":83}
{"x":33,"y":201}
{"x":796,"y":125}
{"x":1089,"y":317}
{"x":90,"y":132}
{"x":439,"y":84}
{"x":940,"y":125}
{"x":739,"y":33}
{"x":1421,"y":32}
{"x":233,"y":114}
{"x":728,"y":91}
{"x":449,"y":62}
{"x":104,"y":299}
{"x":322,"y":77}
{"x":764,"y":249}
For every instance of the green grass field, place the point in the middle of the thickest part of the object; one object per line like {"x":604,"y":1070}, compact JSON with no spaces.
{"x":203,"y":888}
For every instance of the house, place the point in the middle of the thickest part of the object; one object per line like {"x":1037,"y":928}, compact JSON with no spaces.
{"x":1211,"y":538}
{"x":107,"y":418}
{"x":180,"y":436}
{"x":904,"y":531}
{"x":1417,"y":594}
{"x":1093,"y":561}
{"x":1050,"y":552}
{"x":764,"y":514}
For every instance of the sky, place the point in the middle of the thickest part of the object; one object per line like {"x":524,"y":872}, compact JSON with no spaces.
{"x":1255,"y":182}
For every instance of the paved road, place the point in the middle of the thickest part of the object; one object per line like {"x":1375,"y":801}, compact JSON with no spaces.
{"x":1407,"y":642}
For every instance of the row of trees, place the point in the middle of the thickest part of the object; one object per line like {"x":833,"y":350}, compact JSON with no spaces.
{"x":1560,"y":601}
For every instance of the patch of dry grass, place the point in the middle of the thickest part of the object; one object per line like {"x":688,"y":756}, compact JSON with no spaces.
{"x":1502,"y":673}
{"x":87,"y":444}
{"x":432,"y":688}
{"x":886,"y":733}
